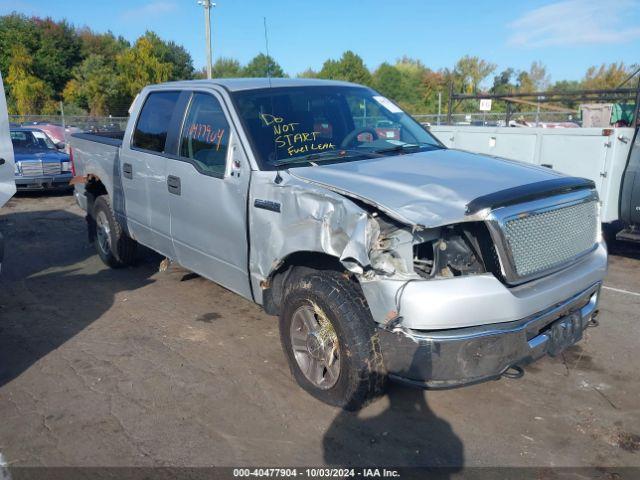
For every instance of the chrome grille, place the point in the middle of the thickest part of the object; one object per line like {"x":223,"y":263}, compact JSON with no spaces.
{"x":34,"y":168}
{"x":31,"y":168}
{"x":540,"y":237}
{"x":51,"y":168}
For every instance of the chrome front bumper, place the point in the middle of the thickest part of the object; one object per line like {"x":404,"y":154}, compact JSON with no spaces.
{"x":462,"y":356}
{"x":44,"y":182}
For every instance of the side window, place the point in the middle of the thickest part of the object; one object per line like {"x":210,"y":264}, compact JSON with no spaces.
{"x":153,"y":122}
{"x":205,"y":134}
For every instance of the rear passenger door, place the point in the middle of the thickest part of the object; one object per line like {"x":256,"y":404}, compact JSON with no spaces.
{"x":207,"y":183}
{"x":143,"y":168}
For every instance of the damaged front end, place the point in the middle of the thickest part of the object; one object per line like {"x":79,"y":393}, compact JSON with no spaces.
{"x":315,"y":227}
{"x":446,"y":313}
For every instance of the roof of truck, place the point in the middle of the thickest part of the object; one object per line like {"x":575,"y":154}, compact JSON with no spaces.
{"x":237,"y":84}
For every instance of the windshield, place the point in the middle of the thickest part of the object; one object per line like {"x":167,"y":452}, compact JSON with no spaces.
{"x":298,"y":126}
{"x":31,"y":140}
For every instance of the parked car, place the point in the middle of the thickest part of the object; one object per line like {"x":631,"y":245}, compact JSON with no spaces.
{"x":38,"y":162}
{"x":7,"y":182}
{"x":387,"y":258}
{"x":55,"y":132}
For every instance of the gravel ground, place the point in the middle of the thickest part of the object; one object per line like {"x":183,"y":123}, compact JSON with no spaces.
{"x":129,"y":367}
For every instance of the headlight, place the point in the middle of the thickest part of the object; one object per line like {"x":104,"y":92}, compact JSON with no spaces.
{"x":66,"y":166}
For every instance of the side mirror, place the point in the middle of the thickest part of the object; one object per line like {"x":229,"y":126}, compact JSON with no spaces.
{"x":61,"y":145}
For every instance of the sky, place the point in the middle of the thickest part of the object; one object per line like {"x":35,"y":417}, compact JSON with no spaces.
{"x":568,"y":36}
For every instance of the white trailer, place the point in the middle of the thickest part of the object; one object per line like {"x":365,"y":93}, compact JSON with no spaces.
{"x":599,"y":154}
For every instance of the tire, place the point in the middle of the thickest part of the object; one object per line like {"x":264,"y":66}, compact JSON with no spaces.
{"x":327,"y":296}
{"x":114,"y":246}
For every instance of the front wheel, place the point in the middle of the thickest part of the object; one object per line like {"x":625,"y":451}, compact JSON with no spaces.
{"x":330,"y":341}
{"x":114,"y":246}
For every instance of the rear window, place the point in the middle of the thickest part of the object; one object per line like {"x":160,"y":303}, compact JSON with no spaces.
{"x":153,"y":122}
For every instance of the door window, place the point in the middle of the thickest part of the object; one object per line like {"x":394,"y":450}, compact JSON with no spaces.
{"x":153,"y":123}
{"x":205,"y":135}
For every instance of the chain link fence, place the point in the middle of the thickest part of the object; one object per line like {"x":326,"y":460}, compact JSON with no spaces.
{"x":73,"y":123}
{"x":76,"y":123}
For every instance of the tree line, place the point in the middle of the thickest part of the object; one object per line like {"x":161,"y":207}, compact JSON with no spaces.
{"x":46,"y":62}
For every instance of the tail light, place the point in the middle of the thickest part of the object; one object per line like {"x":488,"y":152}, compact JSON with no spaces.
{"x":73,"y":167}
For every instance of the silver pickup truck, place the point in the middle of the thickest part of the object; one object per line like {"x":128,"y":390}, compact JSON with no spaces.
{"x":385,"y":254}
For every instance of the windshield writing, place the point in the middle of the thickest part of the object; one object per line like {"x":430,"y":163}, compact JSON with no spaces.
{"x":288,"y":124}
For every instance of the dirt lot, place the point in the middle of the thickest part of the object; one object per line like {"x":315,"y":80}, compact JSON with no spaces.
{"x":136,"y":367}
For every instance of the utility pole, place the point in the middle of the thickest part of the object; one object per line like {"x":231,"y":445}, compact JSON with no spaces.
{"x":207,"y":4}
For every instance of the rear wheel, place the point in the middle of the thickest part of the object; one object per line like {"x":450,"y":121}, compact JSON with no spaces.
{"x":114,"y":246}
{"x":330,"y":340}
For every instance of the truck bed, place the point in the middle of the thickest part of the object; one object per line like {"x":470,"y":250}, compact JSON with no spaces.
{"x":99,"y":155}
{"x":108,"y":138}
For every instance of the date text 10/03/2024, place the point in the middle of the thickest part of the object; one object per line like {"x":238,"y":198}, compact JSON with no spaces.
{"x":286,"y":135}
{"x":317,"y":472}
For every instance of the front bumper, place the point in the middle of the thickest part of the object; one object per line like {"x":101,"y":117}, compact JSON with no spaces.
{"x":44,"y":182}
{"x":462,"y":356}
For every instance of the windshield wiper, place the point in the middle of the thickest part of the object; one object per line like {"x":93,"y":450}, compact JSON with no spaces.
{"x":406,"y":146}
{"x":320,"y":156}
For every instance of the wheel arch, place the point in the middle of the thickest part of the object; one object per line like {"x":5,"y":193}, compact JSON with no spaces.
{"x":296,"y":263}
{"x":93,"y":188}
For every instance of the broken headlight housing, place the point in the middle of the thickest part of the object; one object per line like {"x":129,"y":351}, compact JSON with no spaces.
{"x":458,"y":250}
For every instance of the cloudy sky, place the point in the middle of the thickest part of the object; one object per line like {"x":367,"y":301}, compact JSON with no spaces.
{"x":568,"y":35}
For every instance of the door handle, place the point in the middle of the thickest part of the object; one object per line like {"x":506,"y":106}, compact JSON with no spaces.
{"x":547,"y":165}
{"x":173,"y":184}
{"x":127,"y":170}
{"x":1,"y":161}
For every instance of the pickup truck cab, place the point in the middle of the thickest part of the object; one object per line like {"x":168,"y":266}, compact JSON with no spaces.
{"x":384,"y":256}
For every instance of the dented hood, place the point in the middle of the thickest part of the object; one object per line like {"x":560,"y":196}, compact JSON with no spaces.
{"x":427,"y":189}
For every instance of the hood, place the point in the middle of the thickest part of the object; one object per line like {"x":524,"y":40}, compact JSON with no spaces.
{"x":43,"y":155}
{"x":426,"y":189}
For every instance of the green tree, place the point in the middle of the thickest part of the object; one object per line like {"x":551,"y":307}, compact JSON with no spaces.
{"x":606,"y":76}
{"x":16,"y":30}
{"x":96,"y":88}
{"x":226,"y":68}
{"x":29,"y":93}
{"x":433,"y":83}
{"x":308,"y":73}
{"x":567,"y":86}
{"x":350,"y":68}
{"x":469,"y":72}
{"x":140,"y":66}
{"x":413,"y":96}
{"x":57,"y":53}
{"x":502,"y":82}
{"x":107,"y":45}
{"x":387,"y":80}
{"x":172,"y":53}
{"x":535,"y":79}
{"x":263,"y":66}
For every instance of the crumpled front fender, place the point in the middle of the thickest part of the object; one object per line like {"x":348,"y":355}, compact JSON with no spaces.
{"x":288,"y":216}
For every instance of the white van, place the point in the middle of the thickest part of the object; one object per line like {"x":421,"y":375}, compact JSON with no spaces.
{"x":7,"y":168}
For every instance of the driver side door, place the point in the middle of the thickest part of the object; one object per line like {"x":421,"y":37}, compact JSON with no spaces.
{"x":207,"y":187}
